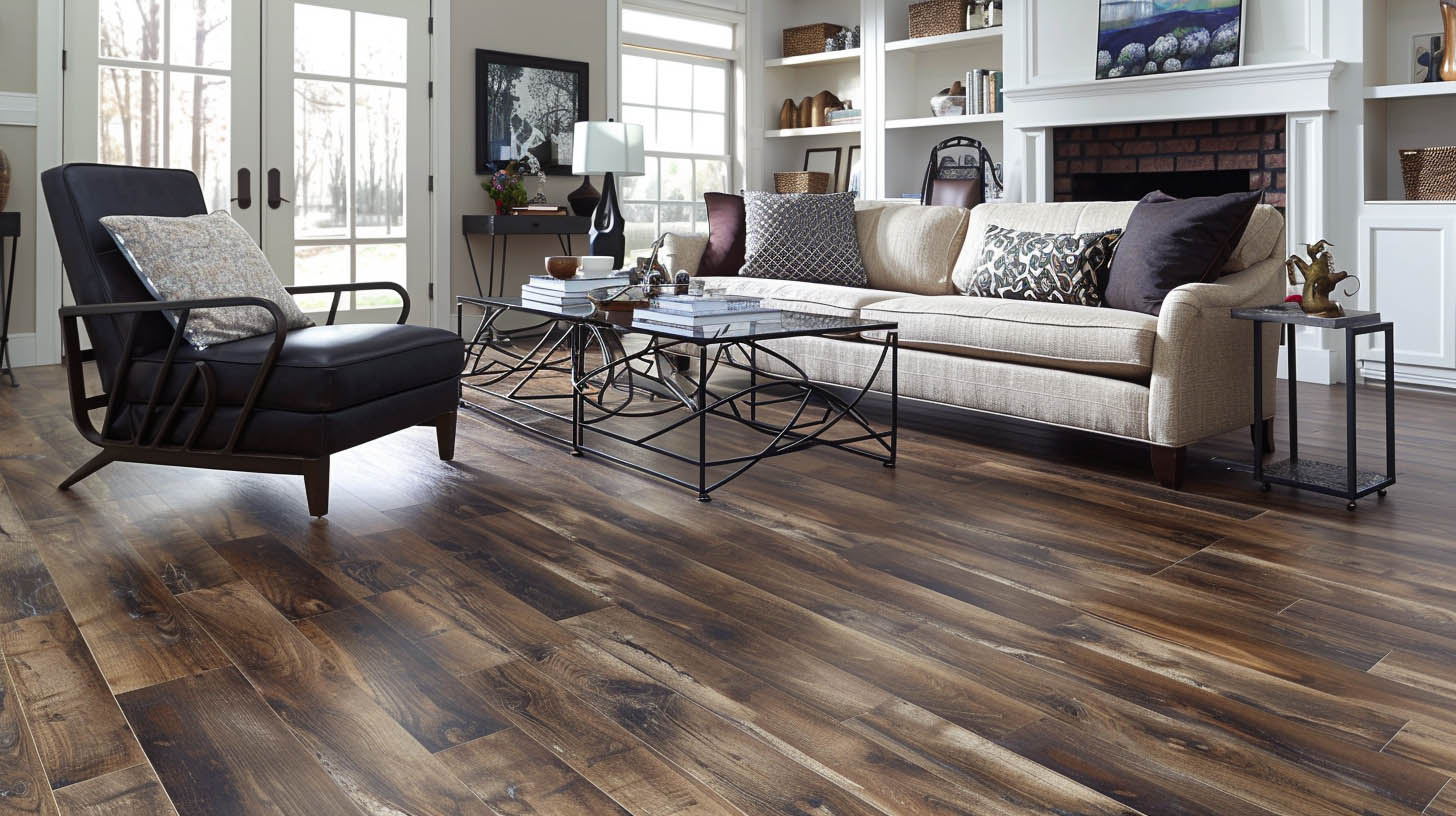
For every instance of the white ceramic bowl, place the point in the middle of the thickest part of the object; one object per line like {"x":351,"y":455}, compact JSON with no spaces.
{"x":596,"y":264}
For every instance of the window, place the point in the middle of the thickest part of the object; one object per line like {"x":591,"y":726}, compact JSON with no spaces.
{"x":684,"y":103}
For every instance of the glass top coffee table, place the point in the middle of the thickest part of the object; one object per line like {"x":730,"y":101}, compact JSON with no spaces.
{"x":695,"y":407}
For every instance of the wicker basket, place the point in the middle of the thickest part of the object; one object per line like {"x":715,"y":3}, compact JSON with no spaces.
{"x":936,"y":17}
{"x":801,"y":181}
{"x":808,"y":39}
{"x":1429,"y":173}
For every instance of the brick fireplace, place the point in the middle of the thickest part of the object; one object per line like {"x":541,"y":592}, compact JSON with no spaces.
{"x":1192,"y":157}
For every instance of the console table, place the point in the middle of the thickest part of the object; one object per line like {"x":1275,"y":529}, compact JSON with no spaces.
{"x":563,"y":227}
{"x":9,"y":228}
{"x":1344,"y":481}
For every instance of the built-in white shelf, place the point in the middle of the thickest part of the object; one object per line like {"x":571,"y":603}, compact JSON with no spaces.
{"x":942,"y":121}
{"x":945,"y":40}
{"x":1411,"y":90}
{"x":814,"y":59}
{"x":1405,"y":203}
{"x":826,"y":130}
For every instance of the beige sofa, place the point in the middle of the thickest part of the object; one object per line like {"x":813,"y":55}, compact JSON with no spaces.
{"x":1168,"y":381}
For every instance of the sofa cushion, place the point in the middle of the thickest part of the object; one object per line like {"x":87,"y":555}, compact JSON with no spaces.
{"x":910,"y":248}
{"x":1045,"y":267}
{"x":683,"y":252}
{"x":797,"y":296}
{"x":803,"y":237}
{"x":1085,"y":339}
{"x":727,"y":232}
{"x":1170,"y":242}
{"x":1260,"y":241}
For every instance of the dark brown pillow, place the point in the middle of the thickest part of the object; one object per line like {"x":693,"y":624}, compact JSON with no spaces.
{"x":727,"y":235}
{"x":1169,"y":242}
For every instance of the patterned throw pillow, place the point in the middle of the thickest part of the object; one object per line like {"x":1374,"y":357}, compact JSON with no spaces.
{"x":204,"y":256}
{"x":1044,"y":266}
{"x":803,"y":237}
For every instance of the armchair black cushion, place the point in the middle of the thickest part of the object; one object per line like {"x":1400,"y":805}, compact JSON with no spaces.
{"x":280,"y":403}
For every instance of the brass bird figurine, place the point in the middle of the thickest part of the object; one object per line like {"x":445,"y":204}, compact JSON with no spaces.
{"x":1319,"y":280}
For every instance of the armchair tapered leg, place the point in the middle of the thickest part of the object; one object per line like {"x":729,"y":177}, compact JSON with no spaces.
{"x":445,"y":435}
{"x":97,"y":462}
{"x":316,"y":485}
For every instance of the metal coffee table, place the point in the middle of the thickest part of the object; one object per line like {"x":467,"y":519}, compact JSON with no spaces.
{"x":592,"y":384}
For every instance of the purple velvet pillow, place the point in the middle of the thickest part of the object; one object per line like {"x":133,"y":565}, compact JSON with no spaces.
{"x":727,"y":235}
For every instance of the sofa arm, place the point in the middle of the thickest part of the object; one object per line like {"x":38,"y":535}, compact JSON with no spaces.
{"x":1202,"y":380}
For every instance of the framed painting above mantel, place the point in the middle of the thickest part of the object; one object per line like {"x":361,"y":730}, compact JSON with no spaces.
{"x":525,"y":103}
{"x":1151,"y":37}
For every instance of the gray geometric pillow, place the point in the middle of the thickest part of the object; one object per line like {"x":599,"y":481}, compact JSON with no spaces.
{"x":1044,"y":266}
{"x":204,"y":256}
{"x":803,"y":237}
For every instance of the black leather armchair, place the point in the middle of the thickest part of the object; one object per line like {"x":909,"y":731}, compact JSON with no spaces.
{"x":280,"y":403}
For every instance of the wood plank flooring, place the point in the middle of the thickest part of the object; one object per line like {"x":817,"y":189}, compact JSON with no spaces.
{"x":1015,"y":620}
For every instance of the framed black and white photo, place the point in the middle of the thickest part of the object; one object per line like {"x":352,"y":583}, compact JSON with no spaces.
{"x":853,"y":181}
{"x":824,"y":160}
{"x":525,"y":103}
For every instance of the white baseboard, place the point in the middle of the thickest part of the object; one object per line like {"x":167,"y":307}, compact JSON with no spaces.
{"x":22,"y":350}
{"x":1421,"y":376}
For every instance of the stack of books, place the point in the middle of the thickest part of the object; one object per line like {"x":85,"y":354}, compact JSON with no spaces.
{"x":851,"y":116}
{"x":984,"y":91}
{"x":556,"y":293}
{"x":691,"y":312}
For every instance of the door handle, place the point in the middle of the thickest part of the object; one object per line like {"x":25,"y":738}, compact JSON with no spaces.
{"x":245,"y":188}
{"x":275,"y":196}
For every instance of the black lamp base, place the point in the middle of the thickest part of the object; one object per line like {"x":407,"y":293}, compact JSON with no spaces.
{"x":607,"y":234}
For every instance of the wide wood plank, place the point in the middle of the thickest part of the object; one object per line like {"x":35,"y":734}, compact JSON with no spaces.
{"x":129,"y":792}
{"x":137,"y":631}
{"x":366,"y":752}
{"x":26,"y":587}
{"x":175,"y":552}
{"x":28,"y":792}
{"x":78,"y":730}
{"x":518,"y":777}
{"x":291,"y":584}
{"x":219,"y":750}
{"x":422,"y":697}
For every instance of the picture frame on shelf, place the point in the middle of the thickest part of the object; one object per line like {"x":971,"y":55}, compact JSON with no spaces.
{"x":526,"y":103}
{"x":1426,"y":53}
{"x":853,"y":181}
{"x":824,"y":160}
{"x":1149,"y":39}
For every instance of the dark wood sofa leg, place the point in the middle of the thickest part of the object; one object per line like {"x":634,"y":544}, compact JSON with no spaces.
{"x":316,"y":485}
{"x":97,"y":462}
{"x":445,"y":435}
{"x":1169,"y":465}
{"x":1268,"y":435}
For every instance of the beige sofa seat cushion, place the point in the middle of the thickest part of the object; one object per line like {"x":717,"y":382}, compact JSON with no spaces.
{"x":1261,"y":239}
{"x":1064,"y":398}
{"x":911,"y":249}
{"x":796,"y":296}
{"x":1085,"y":339}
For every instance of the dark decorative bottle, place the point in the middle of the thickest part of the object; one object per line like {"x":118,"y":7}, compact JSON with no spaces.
{"x":583,"y":200}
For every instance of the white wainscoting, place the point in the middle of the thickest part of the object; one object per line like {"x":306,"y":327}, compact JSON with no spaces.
{"x":17,"y":109}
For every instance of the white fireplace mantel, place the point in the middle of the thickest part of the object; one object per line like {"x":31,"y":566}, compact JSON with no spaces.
{"x":1247,"y":90}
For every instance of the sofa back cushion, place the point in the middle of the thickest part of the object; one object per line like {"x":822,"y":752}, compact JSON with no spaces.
{"x":910,"y":248}
{"x":1261,"y":239}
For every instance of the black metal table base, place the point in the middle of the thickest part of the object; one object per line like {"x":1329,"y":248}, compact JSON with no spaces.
{"x":9,"y":228}
{"x":644,"y":399}
{"x":496,"y":285}
{"x":1346,"y":481}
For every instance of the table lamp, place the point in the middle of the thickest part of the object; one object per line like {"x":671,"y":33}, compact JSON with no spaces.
{"x":608,"y":147}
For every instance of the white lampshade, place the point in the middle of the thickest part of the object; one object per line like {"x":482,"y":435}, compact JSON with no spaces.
{"x":607,"y":147}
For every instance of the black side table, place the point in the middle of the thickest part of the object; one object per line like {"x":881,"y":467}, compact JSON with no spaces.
{"x":1345,"y":481}
{"x":9,"y":228}
{"x":563,"y":227}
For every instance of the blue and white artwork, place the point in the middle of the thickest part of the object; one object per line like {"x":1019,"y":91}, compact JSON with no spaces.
{"x":1141,"y":37}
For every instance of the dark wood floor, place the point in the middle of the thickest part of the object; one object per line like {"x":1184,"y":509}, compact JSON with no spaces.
{"x":1013,"y":621}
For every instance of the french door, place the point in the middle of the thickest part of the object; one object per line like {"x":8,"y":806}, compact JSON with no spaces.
{"x":308,"y":121}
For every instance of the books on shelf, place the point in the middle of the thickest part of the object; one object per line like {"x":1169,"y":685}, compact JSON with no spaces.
{"x":577,"y":285}
{"x":846,"y":117}
{"x":984,"y":91}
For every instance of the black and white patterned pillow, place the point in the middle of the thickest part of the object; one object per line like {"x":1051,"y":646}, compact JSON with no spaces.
{"x":1044,"y":266}
{"x":803,"y":237}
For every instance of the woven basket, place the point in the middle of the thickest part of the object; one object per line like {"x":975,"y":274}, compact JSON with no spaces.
{"x":808,"y":39}
{"x":936,"y":17}
{"x":801,"y":181}
{"x":1429,"y":173}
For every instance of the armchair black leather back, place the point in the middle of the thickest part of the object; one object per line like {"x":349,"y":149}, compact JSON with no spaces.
{"x":78,"y":196}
